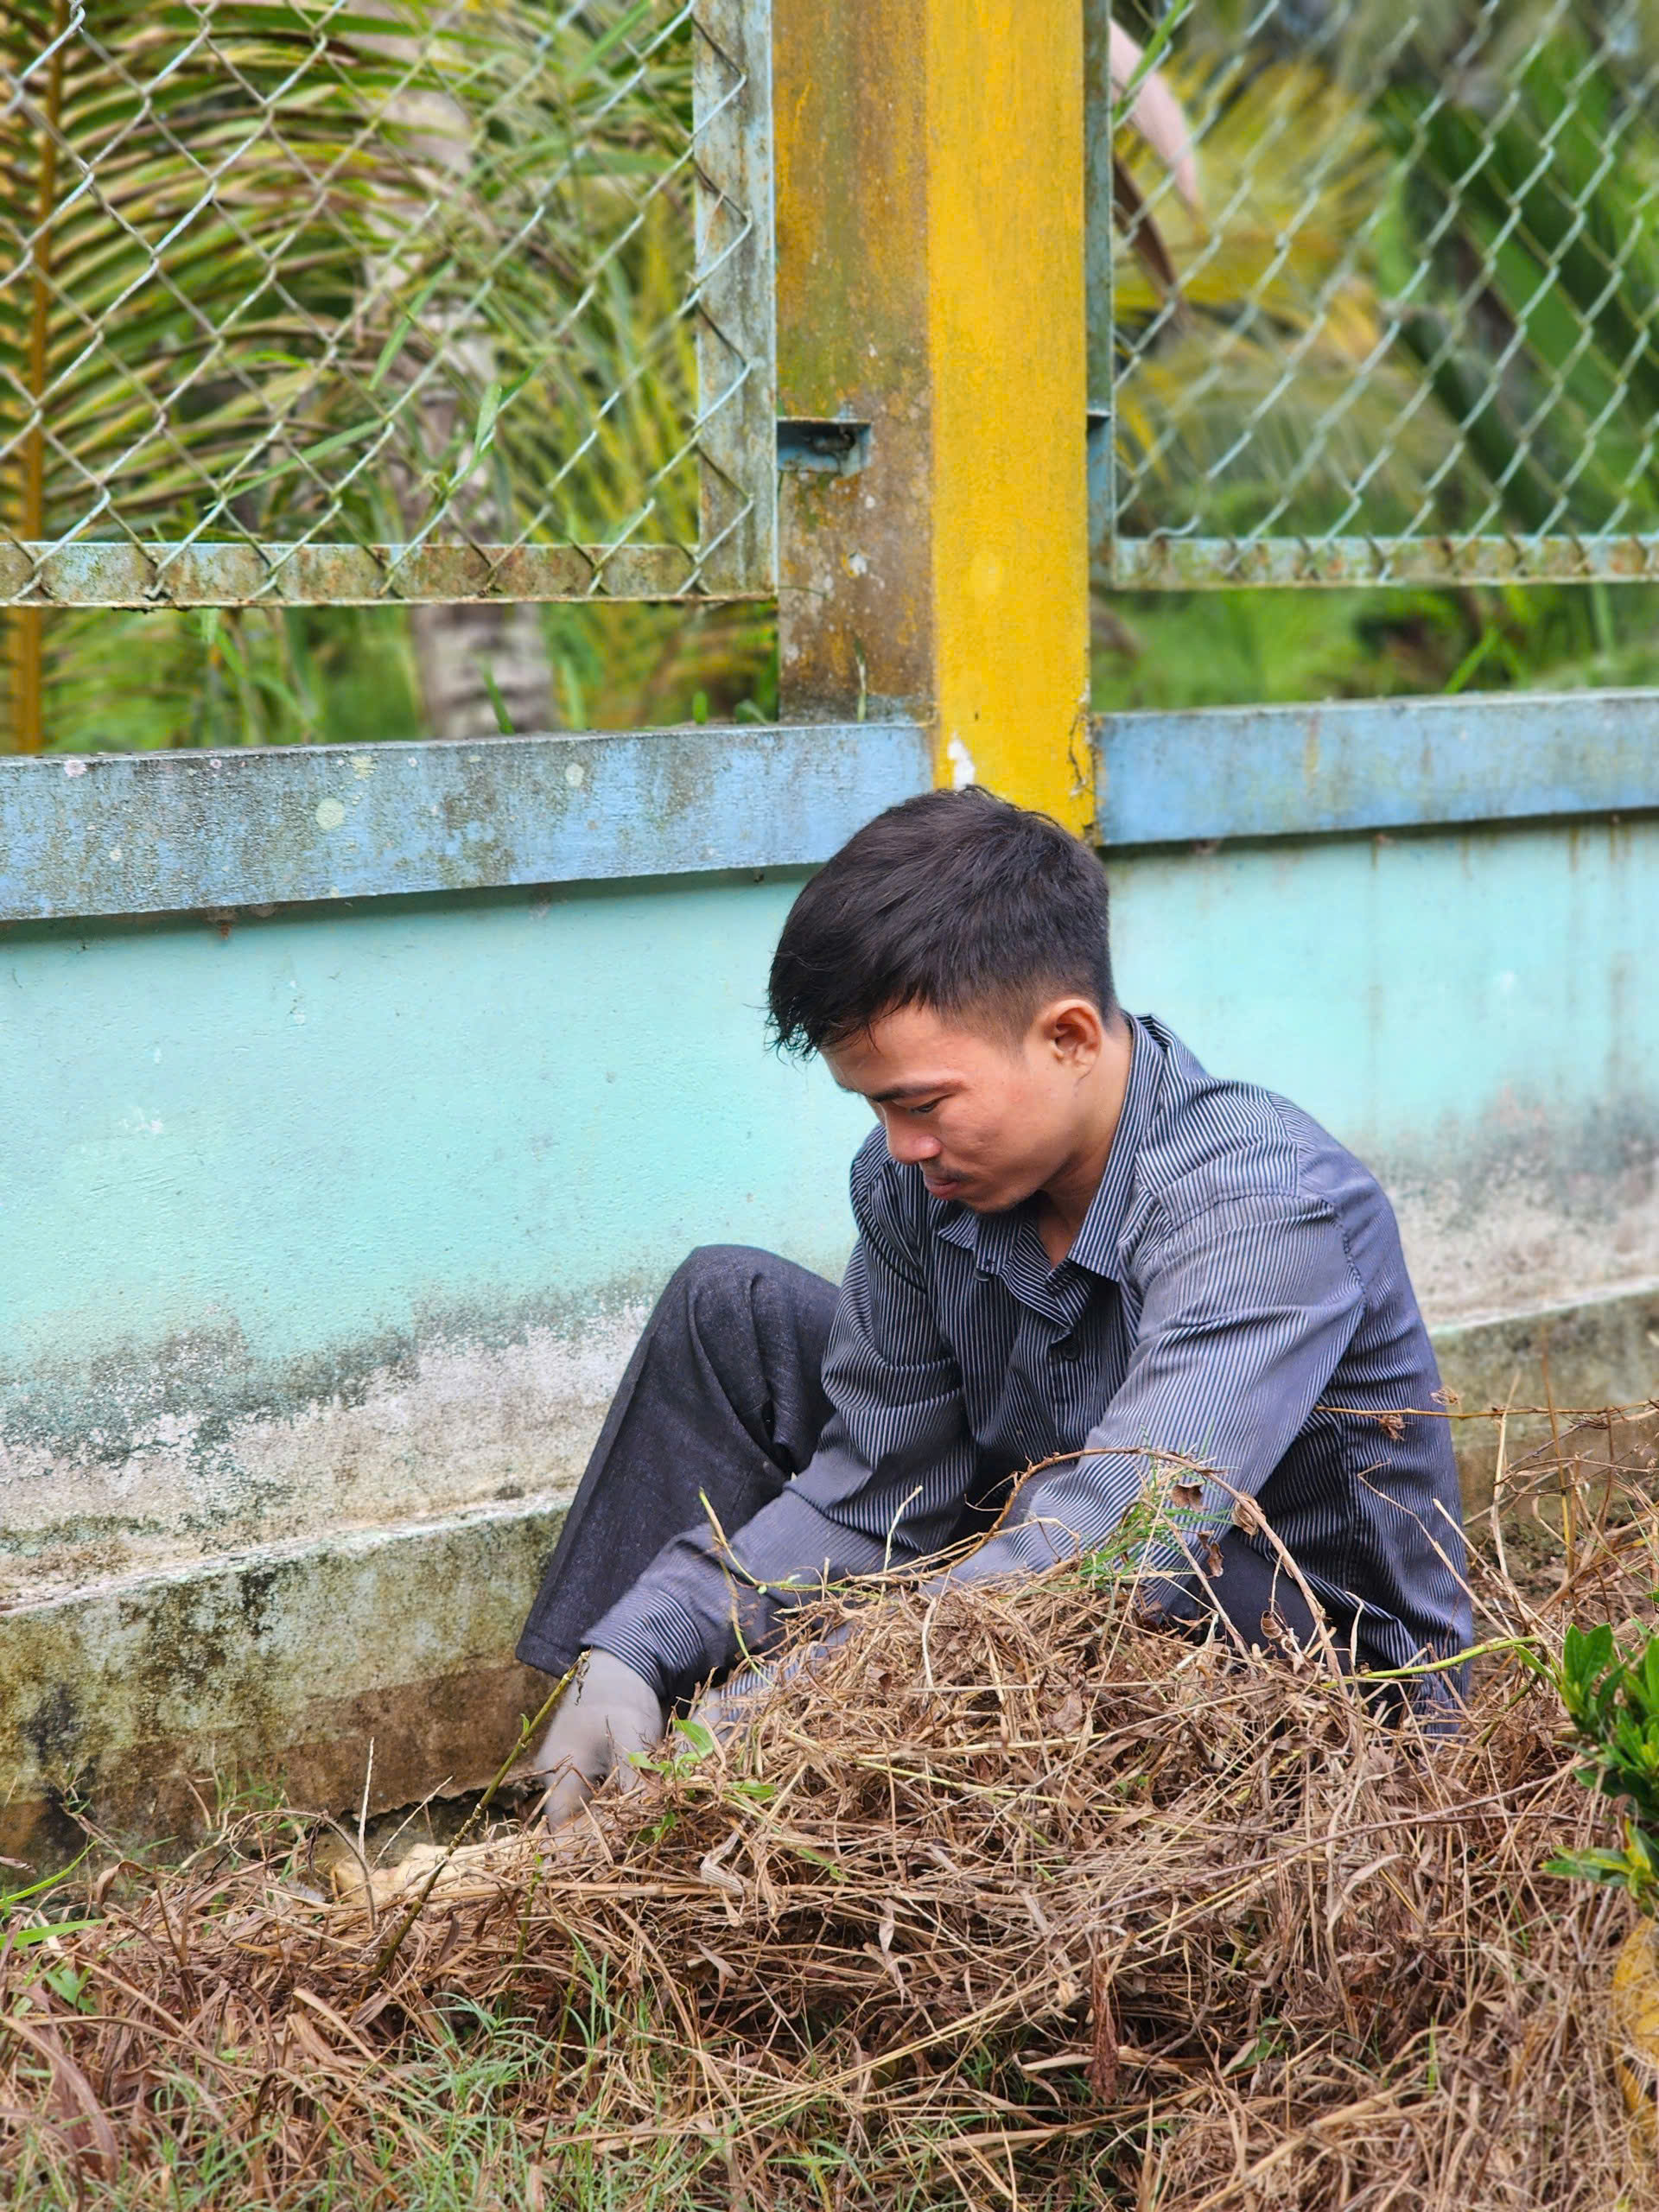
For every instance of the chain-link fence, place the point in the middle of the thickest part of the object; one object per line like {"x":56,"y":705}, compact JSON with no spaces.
{"x":360,"y":301}
{"x":1383,"y":299}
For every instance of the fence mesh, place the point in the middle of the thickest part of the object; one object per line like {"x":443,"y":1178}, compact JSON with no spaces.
{"x":1379,"y":301}
{"x":354,"y":300}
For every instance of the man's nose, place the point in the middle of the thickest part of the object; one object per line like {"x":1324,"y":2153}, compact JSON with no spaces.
{"x":911,"y":1147}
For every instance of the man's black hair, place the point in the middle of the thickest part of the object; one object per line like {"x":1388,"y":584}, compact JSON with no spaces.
{"x":955,"y":900}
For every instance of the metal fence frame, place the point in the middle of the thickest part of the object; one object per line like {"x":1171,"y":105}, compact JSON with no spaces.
{"x":1187,"y":557}
{"x":733,"y":432}
{"x":932,"y":583}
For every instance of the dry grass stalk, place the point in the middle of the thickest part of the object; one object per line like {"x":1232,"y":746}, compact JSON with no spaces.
{"x":1013,"y":1900}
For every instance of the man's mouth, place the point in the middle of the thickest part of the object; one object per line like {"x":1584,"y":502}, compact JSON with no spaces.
{"x":942,"y":1186}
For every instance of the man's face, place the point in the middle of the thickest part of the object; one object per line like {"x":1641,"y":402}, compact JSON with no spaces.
{"x":988,"y":1121}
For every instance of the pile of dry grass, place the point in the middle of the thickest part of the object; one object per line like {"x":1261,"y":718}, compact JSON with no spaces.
{"x":1012,"y":1899}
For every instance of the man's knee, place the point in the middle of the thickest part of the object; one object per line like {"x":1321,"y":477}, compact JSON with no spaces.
{"x":718,"y":1280}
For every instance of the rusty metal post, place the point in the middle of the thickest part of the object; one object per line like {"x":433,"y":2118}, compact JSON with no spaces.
{"x":929,"y":220}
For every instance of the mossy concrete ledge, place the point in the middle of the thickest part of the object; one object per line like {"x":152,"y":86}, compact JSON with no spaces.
{"x":166,"y":832}
{"x":379,"y":1659}
{"x":1598,"y":1351}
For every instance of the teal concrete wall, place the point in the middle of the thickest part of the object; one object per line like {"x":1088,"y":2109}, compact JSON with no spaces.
{"x":1414,"y":992}
{"x":324,"y":1126}
{"x":1472,"y":1010}
{"x":336,"y":1225}
{"x":346,"y":1216}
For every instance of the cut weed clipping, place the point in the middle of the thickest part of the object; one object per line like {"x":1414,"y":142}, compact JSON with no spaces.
{"x":1006,"y":1899}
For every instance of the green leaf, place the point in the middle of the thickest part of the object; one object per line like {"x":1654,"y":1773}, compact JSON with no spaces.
{"x":70,"y":1983}
{"x":1612,"y":1701}
{"x":503,"y":719}
{"x":696,"y":1734}
{"x":398,"y":334}
{"x":1589,"y":1866}
{"x":9,"y":1899}
{"x":489,"y":408}
{"x":816,"y":1859}
{"x":21,"y":1938}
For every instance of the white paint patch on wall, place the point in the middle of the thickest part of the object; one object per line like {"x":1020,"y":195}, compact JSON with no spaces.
{"x":465,"y":1425}
{"x":1513,"y":1249}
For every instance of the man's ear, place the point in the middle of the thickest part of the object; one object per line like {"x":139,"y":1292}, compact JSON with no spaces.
{"x":1072,"y":1030}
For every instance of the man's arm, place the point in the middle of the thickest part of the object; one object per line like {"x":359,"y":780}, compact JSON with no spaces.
{"x":886,"y":1484}
{"x":1249,"y":1306}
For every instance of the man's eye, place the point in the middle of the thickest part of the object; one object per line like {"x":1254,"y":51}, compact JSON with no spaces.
{"x":928,"y":1109}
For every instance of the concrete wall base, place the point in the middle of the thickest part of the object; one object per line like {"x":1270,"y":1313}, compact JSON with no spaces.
{"x":1598,"y":1351}
{"x":151,"y":1701}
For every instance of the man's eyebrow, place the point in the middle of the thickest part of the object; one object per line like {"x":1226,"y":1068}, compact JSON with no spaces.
{"x":898,"y":1092}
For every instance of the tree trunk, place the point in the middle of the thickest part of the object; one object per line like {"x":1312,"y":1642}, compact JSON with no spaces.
{"x":462,"y":650}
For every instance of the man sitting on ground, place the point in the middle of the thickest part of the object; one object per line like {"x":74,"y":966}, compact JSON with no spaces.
{"x":1071,"y":1240}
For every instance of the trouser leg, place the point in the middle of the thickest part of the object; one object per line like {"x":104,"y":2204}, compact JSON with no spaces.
{"x":1248,"y":1593}
{"x":721,"y":1400}
{"x":1256,"y":1598}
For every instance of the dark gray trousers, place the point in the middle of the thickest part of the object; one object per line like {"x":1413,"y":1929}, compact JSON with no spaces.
{"x":723,"y":1397}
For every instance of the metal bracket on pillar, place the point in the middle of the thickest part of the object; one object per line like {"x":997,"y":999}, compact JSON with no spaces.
{"x":824,"y":448}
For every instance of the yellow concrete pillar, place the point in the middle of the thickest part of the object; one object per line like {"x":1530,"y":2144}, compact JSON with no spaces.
{"x":931,"y":285}
{"x":1006,"y":345}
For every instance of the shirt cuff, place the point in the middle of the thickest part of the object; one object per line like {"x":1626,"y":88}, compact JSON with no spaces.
{"x":664,"y":1641}
{"x":687,"y":1617}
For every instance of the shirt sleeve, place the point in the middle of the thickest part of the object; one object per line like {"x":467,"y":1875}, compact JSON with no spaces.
{"x":887,"y":1481}
{"x":1247,"y":1306}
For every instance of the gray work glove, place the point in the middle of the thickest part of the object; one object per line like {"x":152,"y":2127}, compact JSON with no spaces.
{"x":726,"y":1710}
{"x":607,"y":1714}
{"x":729,"y":1708}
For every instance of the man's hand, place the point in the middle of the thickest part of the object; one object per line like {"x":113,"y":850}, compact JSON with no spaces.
{"x":728,"y":1708}
{"x":607,"y":1714}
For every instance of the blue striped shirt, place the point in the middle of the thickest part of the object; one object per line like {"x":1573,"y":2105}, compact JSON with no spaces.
{"x":1237,"y":1296}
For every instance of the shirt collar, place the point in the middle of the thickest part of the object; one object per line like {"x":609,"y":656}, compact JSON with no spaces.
{"x":990,"y":1237}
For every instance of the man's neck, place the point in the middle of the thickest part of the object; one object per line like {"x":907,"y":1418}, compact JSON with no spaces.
{"x":1066,"y":1198}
